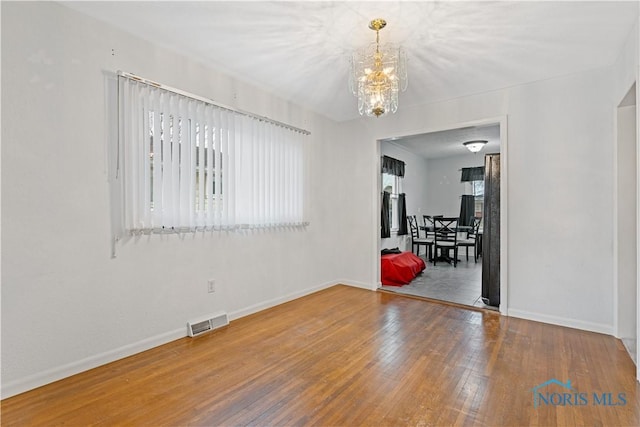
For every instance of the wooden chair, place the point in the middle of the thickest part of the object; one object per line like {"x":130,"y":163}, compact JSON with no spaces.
{"x":446,"y":239}
{"x":472,"y":240}
{"x":416,"y":240}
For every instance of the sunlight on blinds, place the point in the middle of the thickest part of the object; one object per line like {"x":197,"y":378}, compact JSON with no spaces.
{"x":190,"y":165}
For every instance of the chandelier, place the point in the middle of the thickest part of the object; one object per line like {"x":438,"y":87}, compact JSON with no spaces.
{"x":378,"y":73}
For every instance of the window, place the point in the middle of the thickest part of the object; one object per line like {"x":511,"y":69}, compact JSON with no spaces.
{"x":477,"y":190}
{"x":391,"y":184}
{"x":187,"y":164}
{"x":473,"y":178}
{"x":393,"y":206}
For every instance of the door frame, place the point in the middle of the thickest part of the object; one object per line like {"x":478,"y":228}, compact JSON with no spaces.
{"x":502,"y":121}
{"x":616,"y":226}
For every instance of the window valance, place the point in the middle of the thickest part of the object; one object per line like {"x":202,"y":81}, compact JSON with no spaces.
{"x":392,"y":166}
{"x":472,"y":174}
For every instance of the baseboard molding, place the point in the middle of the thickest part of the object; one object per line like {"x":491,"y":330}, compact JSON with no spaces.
{"x":356,"y":284}
{"x":276,"y":301}
{"x":46,"y":377}
{"x":42,"y":378}
{"x":562,"y":321}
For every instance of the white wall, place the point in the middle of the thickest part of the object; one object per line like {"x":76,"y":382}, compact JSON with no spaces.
{"x":560,"y":181}
{"x":414,"y":185}
{"x":66,"y":304}
{"x":625,"y":75}
{"x":443,"y":183}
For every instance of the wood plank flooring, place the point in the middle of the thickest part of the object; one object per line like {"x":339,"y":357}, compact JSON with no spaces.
{"x":345,"y":357}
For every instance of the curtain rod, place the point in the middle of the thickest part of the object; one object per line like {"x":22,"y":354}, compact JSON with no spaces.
{"x":208,"y":101}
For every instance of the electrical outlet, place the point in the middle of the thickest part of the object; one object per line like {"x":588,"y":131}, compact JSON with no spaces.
{"x":211,"y":286}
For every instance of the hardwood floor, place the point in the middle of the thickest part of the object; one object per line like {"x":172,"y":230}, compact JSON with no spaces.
{"x":347,"y":356}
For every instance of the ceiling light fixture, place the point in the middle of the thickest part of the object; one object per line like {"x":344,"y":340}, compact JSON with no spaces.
{"x":378,"y":73}
{"x":474,"y":146}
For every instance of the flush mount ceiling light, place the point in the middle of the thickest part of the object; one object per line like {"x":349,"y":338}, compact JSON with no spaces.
{"x":378,"y":73}
{"x":474,"y":146}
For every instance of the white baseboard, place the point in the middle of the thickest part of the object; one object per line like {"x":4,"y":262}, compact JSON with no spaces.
{"x":54,"y":374}
{"x":356,"y":284}
{"x":562,"y":321}
{"x":276,"y":301}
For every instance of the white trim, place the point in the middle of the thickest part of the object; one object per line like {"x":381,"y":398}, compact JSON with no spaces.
{"x":637,"y":94}
{"x":60,"y":372}
{"x":562,"y":321}
{"x":375,"y":212}
{"x":504,"y":218}
{"x":54,"y":374}
{"x":504,"y":264}
{"x":616,"y":226}
{"x":234,"y":315}
{"x":361,"y":285}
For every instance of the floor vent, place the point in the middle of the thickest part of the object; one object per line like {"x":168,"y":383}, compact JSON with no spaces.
{"x":203,"y":326}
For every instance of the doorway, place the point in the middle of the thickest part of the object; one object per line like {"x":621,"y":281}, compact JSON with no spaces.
{"x":626,"y":226}
{"x":444,"y":155}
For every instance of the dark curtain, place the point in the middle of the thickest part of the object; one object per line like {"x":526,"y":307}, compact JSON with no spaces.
{"x":402,"y":215}
{"x":392,"y":166}
{"x":472,"y":174}
{"x":467,"y":210}
{"x":385,"y":227}
{"x":491,"y":234}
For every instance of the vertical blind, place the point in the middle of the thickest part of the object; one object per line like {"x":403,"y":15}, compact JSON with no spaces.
{"x":188,"y":165}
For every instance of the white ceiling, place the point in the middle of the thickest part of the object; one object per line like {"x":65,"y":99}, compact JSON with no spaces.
{"x":299,"y":50}
{"x":448,"y":143}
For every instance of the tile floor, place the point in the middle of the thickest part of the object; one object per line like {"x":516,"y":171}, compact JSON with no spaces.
{"x":461,"y":285}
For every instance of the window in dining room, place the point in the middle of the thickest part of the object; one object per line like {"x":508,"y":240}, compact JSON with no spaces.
{"x":477,"y":189}
{"x":473,"y":178}
{"x":391,"y":185}
{"x":394,"y":216}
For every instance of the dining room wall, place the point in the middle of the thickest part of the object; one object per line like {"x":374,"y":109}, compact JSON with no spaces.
{"x":69,"y":305}
{"x":414,"y":185}
{"x":444,"y":188}
{"x":88,"y":308}
{"x":559,"y":157}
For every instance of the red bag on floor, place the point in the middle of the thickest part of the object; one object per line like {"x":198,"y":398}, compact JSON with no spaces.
{"x":400,"y":269}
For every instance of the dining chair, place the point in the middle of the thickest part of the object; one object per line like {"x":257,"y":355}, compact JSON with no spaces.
{"x":446,"y":239}
{"x":416,"y":240}
{"x":429,"y":230}
{"x":472,"y":240}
